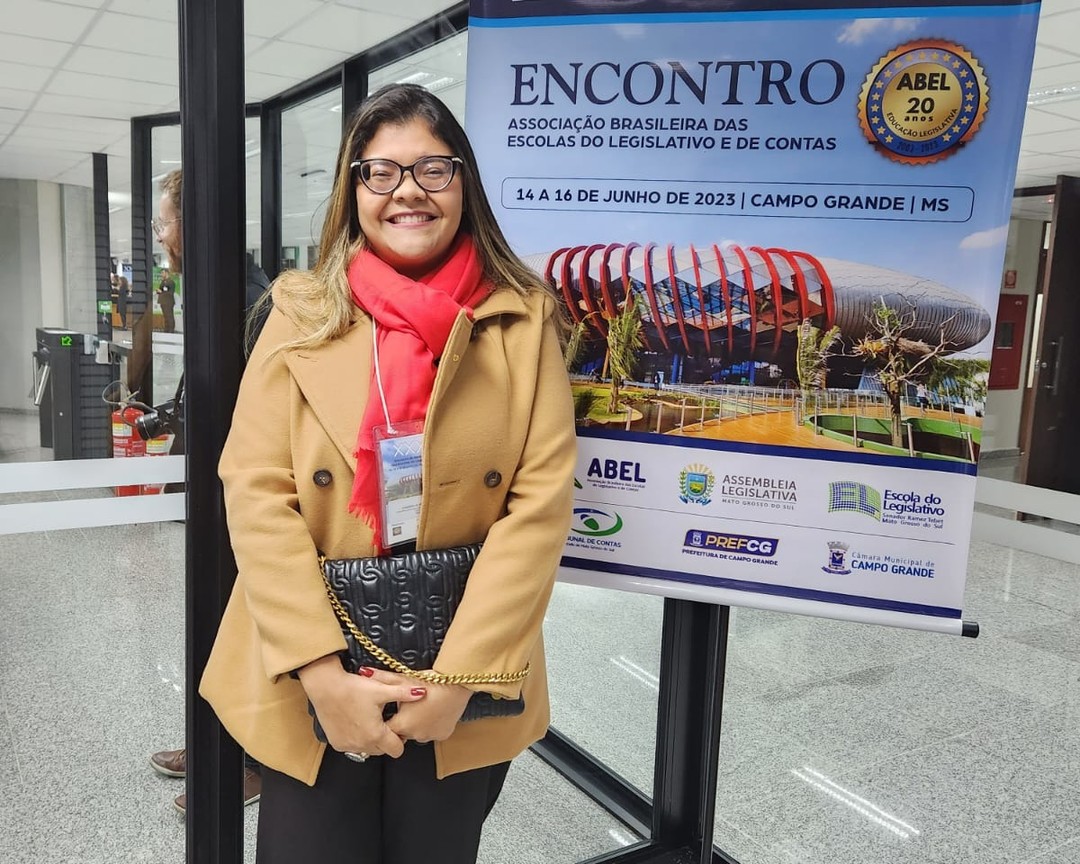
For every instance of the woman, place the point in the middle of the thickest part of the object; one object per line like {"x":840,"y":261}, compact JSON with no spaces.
{"x":465,"y":339}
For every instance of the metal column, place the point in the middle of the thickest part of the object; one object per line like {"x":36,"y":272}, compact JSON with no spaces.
{"x":212,"y":135}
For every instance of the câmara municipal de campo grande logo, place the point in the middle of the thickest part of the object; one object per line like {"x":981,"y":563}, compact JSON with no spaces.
{"x":696,"y":484}
{"x":837,"y":559}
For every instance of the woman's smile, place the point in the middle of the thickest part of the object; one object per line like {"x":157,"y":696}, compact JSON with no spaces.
{"x":410,"y":228}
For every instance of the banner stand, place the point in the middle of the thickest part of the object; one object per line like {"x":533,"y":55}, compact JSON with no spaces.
{"x":680,"y":817}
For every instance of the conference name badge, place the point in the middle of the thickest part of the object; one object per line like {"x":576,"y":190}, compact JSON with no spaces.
{"x":923,"y":100}
{"x":399,"y":451}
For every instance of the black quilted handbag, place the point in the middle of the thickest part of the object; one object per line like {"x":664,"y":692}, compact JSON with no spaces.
{"x":394,"y":612}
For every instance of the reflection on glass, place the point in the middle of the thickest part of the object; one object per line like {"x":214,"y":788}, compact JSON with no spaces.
{"x":440,"y":68}
{"x":253,"y":182}
{"x":153,"y":366}
{"x":603,"y":651}
{"x":1005,"y":334}
{"x":310,"y":133}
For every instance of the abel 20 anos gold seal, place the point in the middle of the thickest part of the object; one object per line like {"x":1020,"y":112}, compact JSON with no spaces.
{"x":923,"y":100}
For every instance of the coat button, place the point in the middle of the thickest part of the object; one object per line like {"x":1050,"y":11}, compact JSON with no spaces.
{"x":322,"y":477}
{"x":492,"y":479}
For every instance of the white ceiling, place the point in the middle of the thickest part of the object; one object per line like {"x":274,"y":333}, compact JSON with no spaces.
{"x":72,"y":73}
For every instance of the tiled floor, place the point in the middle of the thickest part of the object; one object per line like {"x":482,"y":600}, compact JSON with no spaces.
{"x":842,"y":743}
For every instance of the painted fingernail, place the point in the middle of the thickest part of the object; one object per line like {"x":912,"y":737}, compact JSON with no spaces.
{"x":366,"y":671}
{"x":418,"y":691}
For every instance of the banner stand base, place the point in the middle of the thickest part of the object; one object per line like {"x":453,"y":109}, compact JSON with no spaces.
{"x":678,"y":822}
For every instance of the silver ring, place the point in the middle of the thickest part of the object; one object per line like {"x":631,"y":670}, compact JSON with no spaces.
{"x":356,"y":757}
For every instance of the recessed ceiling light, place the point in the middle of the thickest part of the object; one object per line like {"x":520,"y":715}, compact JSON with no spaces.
{"x":414,"y":78}
{"x":1048,"y":95}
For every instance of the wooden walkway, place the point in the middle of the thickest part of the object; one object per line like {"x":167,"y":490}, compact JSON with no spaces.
{"x":778,"y":429}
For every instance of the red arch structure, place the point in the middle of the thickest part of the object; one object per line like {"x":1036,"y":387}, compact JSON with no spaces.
{"x":776,"y":294}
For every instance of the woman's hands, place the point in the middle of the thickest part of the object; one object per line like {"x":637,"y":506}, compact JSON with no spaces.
{"x":350,"y":707}
{"x":434,"y":718}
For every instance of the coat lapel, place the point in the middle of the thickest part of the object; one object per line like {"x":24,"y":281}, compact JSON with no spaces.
{"x":504,"y":302}
{"x":335,"y":378}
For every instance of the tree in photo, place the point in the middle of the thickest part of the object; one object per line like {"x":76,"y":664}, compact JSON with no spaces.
{"x":572,"y":352}
{"x":624,"y":338}
{"x":897,"y":360}
{"x":964,"y":379}
{"x":812,"y":355}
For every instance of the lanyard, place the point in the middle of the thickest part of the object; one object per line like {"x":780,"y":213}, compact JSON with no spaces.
{"x":378,"y":377}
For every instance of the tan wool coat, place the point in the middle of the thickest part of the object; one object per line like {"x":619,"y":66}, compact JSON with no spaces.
{"x":498,"y":462}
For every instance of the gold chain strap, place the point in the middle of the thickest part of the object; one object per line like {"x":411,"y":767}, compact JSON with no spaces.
{"x":395,"y":665}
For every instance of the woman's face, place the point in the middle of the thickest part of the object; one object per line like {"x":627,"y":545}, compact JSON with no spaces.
{"x":410,"y":229}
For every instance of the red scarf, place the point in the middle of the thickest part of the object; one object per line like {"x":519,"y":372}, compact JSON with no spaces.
{"x":413,"y":321}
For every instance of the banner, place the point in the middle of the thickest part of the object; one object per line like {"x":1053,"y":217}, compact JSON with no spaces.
{"x":779,"y":235}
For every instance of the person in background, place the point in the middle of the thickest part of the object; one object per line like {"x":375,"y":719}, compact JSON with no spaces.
{"x":114,"y":295}
{"x":121,"y":294}
{"x":413,"y":272}
{"x":167,"y":227}
{"x":166,"y":297}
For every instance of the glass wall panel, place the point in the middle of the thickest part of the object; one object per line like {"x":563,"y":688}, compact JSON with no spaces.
{"x":91,"y":551}
{"x":854,"y":743}
{"x":604,"y":666}
{"x":165,"y":305}
{"x":253,"y":180}
{"x":310,"y":134}
{"x":440,"y":68}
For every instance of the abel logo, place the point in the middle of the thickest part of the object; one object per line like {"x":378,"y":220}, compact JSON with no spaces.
{"x":590,"y":522}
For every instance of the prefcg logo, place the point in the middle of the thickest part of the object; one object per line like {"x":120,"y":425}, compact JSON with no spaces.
{"x":741,"y":544}
{"x":590,"y":522}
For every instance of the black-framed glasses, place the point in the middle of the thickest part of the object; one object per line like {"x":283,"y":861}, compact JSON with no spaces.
{"x":431,"y":173}
{"x":158,"y":226}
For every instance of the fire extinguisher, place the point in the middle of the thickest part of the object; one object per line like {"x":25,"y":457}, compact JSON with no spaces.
{"x":126,"y":442}
{"x":158,"y":446}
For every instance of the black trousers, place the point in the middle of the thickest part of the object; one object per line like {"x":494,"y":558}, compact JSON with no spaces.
{"x":383,"y":811}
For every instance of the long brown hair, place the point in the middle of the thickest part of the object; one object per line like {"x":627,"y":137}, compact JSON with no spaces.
{"x":320,"y":301}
